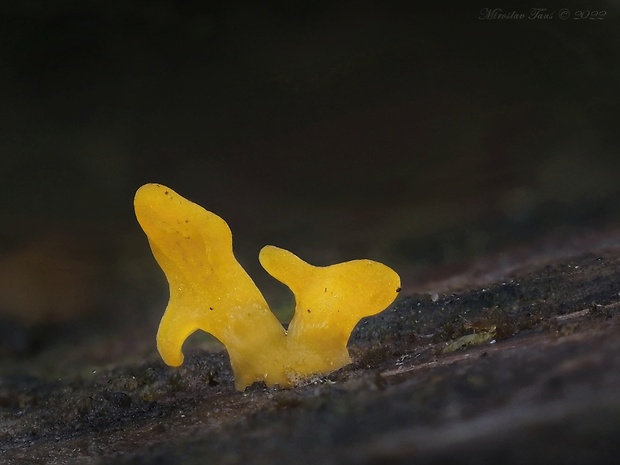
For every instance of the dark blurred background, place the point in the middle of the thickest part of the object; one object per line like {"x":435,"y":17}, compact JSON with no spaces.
{"x":416,"y":135}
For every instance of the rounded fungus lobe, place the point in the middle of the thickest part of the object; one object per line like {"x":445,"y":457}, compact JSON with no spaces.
{"x":330,"y":301}
{"x":209,"y":290}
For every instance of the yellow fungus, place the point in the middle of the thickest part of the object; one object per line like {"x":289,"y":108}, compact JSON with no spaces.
{"x":330,"y":301}
{"x":209,"y":290}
